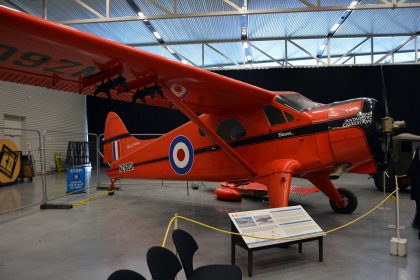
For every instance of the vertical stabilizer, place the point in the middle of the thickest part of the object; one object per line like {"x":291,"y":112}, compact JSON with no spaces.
{"x":117,"y":140}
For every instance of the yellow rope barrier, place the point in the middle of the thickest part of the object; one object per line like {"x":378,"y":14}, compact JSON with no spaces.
{"x":269,"y":238}
{"x":85,"y":201}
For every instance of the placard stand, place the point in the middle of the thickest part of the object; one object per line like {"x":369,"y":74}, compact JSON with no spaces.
{"x":237,"y":240}
{"x":275,"y":227}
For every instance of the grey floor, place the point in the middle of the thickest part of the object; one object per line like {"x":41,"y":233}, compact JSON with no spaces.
{"x":111,"y":233}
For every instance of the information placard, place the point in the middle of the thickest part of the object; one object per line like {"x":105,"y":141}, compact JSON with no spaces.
{"x":284,"y":222}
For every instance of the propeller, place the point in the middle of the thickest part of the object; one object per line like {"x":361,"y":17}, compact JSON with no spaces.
{"x":388,"y":128}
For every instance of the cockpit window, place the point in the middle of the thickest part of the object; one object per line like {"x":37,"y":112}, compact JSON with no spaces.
{"x":289,"y":117}
{"x":274,"y":115}
{"x":297,"y":102}
{"x":231,"y":130}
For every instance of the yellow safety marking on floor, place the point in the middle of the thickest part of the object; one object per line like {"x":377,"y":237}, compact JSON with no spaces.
{"x":268,"y":238}
{"x":85,"y":201}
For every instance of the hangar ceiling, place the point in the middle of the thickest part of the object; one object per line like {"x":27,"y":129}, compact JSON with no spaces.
{"x":248,"y":33}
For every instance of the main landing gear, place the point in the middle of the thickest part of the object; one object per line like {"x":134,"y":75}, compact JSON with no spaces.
{"x":349,"y":202}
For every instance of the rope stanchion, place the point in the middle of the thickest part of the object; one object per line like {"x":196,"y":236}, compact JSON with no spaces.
{"x":175,"y":217}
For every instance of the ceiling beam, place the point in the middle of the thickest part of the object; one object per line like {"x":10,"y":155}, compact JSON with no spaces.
{"x":271,"y":39}
{"x":307,"y":3}
{"x":397,"y":48}
{"x":307,"y":52}
{"x":160,"y":7}
{"x":217,"y":67}
{"x":266,"y":54}
{"x":16,"y":6}
{"x":233,"y":5}
{"x":349,"y":51}
{"x":223,"y":55}
{"x":245,"y":12}
{"x":89,"y":8}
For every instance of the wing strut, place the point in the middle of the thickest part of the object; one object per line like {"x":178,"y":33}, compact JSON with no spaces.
{"x":216,"y":138}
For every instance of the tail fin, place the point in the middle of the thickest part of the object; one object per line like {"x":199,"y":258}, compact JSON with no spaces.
{"x":117,"y":139}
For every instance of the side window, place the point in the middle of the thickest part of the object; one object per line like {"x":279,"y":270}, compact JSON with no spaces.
{"x":274,"y":115}
{"x":231,"y":130}
{"x":289,"y":117}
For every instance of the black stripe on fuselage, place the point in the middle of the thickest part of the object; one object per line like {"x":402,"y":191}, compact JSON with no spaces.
{"x":278,"y":135}
{"x":118,"y":137}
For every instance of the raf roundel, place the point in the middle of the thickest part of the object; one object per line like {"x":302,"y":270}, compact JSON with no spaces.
{"x":181,"y":155}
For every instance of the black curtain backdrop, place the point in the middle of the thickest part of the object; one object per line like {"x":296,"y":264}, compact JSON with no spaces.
{"x":325,"y":85}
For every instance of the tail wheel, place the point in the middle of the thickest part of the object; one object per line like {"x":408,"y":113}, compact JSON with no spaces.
{"x":349,"y":201}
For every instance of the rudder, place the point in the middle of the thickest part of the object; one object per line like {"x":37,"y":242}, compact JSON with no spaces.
{"x":117,"y":140}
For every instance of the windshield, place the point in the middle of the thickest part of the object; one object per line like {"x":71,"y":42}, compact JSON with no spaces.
{"x":297,"y":102}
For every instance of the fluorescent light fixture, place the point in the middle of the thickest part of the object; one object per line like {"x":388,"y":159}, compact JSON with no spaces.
{"x":157,"y":35}
{"x":335,"y":27}
{"x":249,"y":58}
{"x":140,"y":14}
{"x":243,"y":30}
{"x":245,"y":45}
{"x":170,"y":50}
{"x":354,"y":3}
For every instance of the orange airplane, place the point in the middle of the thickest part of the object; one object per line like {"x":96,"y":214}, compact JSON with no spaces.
{"x":242,"y":132}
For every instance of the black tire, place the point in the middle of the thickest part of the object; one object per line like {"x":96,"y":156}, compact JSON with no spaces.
{"x":350,"y":202}
{"x":379,"y":182}
{"x":111,"y":191}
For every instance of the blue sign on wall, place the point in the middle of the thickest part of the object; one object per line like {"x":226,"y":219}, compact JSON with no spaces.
{"x":76,"y":179}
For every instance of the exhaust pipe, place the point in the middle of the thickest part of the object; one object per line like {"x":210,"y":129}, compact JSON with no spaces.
{"x":338,"y":171}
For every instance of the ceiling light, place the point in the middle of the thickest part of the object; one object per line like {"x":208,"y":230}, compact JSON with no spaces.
{"x":140,"y":14}
{"x":157,"y":35}
{"x":170,"y":50}
{"x":322,"y":47}
{"x":354,"y":3}
{"x":243,"y":30}
{"x":249,"y":58}
{"x":335,"y":27}
{"x":245,"y":45}
{"x":184,"y":61}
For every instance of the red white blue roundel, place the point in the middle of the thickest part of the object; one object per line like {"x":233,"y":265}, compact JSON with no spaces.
{"x":181,"y":155}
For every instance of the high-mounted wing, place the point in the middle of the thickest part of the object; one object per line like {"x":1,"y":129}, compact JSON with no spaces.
{"x":41,"y":53}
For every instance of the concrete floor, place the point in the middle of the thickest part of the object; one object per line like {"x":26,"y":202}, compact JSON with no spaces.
{"x":111,"y":233}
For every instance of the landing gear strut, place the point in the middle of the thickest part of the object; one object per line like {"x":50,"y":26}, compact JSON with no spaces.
{"x":349,"y":203}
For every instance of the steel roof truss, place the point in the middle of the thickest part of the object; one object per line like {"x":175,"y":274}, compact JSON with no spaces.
{"x":245,"y":12}
{"x":402,"y":44}
{"x":266,"y":54}
{"x":348,"y":52}
{"x":89,"y":8}
{"x":222,"y":54}
{"x":307,"y":52}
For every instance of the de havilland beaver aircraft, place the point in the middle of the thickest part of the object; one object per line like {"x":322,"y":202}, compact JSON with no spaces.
{"x":242,"y":132}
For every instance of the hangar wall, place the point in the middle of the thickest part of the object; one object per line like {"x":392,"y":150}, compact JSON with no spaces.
{"x":43,"y":109}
